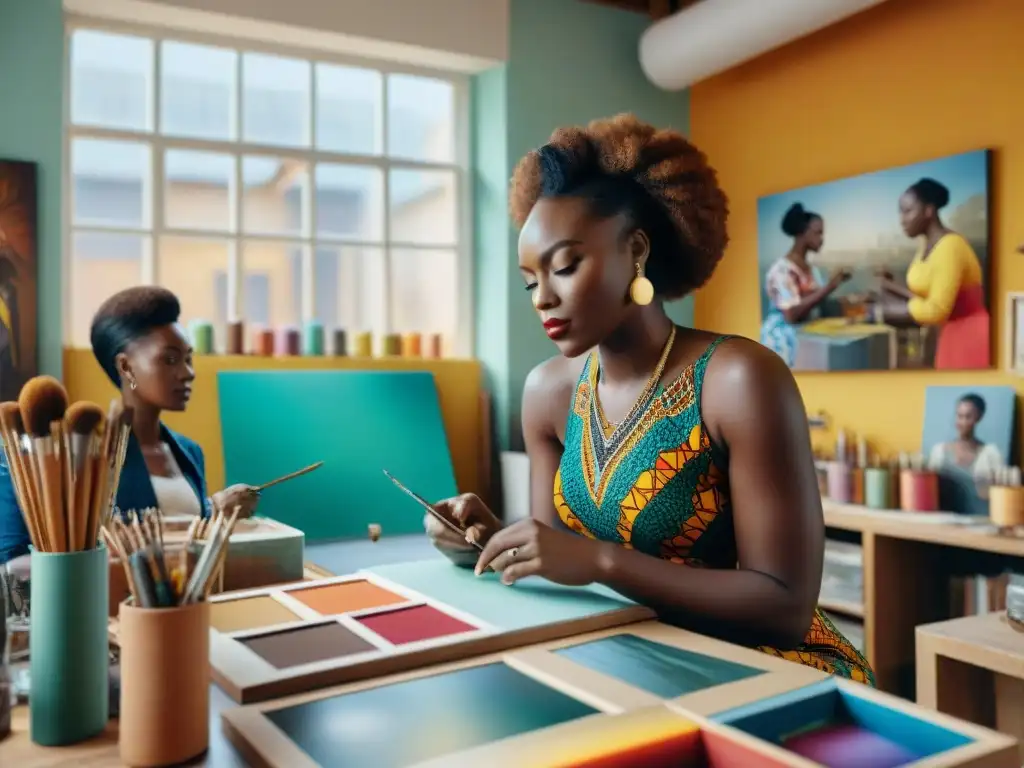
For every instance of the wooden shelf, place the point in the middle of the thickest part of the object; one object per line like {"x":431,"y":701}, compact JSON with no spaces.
{"x":844,"y":607}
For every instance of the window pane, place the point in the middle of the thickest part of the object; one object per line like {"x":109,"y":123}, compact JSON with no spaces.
{"x":197,"y":91}
{"x":275,"y":100}
{"x":102,"y":264}
{"x":272,"y":288}
{"x":423,"y":207}
{"x":189,"y":267}
{"x":424,"y":291}
{"x":111,"y":80}
{"x":197,"y":190}
{"x":349,"y":288}
{"x":274,"y":196}
{"x":421,"y":118}
{"x":111,"y":183}
{"x":350,"y":201}
{"x":348,"y":109}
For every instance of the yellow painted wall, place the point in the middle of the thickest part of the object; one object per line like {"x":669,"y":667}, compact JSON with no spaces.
{"x":459,"y":387}
{"x":904,"y":82}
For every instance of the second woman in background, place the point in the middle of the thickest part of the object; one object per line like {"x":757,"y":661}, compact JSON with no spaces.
{"x":796,"y":289}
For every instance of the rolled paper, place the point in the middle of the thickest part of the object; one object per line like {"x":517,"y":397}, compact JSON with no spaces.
{"x":857,"y":485}
{"x":878,"y":488}
{"x":363,"y":346}
{"x":839,"y":482}
{"x":392,"y":346}
{"x":412,"y":345}
{"x":235,"y":338}
{"x":340,"y":342}
{"x":263,"y":342}
{"x":312,"y":339}
{"x":919,"y":491}
{"x":201,"y":334}
{"x":433,"y":346}
{"x":289,"y":343}
{"x":1006,"y":505}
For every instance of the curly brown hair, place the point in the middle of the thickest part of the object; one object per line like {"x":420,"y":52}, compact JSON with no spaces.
{"x":657,"y":177}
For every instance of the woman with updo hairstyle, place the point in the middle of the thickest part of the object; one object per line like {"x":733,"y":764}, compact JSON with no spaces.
{"x":795,"y":288}
{"x":670,"y":464}
{"x":141,"y":346}
{"x":945,"y":284}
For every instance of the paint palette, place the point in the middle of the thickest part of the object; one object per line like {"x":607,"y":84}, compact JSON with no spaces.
{"x":281,"y":640}
{"x":595,"y":702}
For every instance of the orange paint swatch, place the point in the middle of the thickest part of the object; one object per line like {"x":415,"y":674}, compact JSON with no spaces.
{"x":347,"y":596}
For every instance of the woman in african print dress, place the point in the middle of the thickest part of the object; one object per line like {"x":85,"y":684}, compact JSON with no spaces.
{"x":795,"y":288}
{"x":672,"y":465}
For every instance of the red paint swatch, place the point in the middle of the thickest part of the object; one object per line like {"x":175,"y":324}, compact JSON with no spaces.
{"x":410,"y":625}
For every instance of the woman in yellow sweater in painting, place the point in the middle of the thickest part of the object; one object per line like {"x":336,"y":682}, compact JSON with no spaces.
{"x":944,"y":282}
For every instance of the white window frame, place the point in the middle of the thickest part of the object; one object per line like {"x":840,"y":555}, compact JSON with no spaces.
{"x":461,"y":345}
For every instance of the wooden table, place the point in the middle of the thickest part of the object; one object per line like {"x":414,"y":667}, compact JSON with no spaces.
{"x":973,"y":668}
{"x":906,"y":577}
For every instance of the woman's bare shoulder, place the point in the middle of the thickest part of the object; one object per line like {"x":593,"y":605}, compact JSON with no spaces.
{"x":550,"y":386}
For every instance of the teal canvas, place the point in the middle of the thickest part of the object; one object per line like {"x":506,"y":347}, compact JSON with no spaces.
{"x":532,"y":602}
{"x":358,"y":423}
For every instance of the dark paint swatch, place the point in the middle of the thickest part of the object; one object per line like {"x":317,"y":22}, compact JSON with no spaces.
{"x":404,"y":723}
{"x":305,"y":645}
{"x":657,"y":668}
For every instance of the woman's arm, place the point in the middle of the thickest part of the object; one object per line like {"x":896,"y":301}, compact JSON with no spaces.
{"x":796,"y":312}
{"x":894,"y":288}
{"x":753,"y":408}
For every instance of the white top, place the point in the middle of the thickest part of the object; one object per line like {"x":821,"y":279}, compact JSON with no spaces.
{"x":174,"y":495}
{"x":988,"y":460}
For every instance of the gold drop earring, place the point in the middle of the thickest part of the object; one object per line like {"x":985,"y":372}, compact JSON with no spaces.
{"x":640,"y":289}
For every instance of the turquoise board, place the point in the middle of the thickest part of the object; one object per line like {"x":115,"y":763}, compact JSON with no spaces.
{"x":532,"y":602}
{"x":663,"y":670}
{"x":358,"y":423}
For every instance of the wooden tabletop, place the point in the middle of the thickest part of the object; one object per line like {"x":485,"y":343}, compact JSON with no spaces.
{"x":934,"y":528}
{"x":989,"y":641}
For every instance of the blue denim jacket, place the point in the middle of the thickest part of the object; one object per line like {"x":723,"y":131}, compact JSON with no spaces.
{"x":135,"y":490}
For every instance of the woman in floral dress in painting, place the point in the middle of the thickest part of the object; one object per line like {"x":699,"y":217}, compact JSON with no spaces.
{"x":795,"y":288}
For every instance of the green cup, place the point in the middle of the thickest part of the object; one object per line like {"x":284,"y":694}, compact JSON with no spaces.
{"x":68,"y":646}
{"x":877,"y":488}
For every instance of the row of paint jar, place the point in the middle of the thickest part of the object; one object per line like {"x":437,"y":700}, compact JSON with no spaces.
{"x":309,"y":340}
{"x":911,"y":490}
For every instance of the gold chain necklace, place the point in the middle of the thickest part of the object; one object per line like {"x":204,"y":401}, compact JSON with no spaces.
{"x":652,"y":384}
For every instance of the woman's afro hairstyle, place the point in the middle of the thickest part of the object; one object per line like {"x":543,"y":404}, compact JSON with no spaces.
{"x":126,"y":316}
{"x":658,"y":178}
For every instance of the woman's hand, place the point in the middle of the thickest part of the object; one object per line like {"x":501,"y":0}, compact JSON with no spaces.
{"x":240,"y":495}
{"x":839,"y":277}
{"x":469,"y":513}
{"x":530,"y":548}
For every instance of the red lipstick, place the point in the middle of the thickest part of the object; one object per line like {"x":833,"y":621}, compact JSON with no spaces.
{"x":556,"y":328}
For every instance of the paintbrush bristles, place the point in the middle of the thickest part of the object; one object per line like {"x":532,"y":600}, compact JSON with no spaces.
{"x":43,"y":400}
{"x":83,"y":418}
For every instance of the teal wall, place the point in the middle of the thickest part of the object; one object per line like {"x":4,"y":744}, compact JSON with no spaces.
{"x":31,"y":128}
{"x":569,"y":62}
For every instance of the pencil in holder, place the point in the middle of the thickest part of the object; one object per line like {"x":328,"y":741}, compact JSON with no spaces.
{"x":877,"y":488}
{"x":919,"y":490}
{"x":68,"y":646}
{"x":1006,"y":505}
{"x":165,"y":683}
{"x":840,"y":484}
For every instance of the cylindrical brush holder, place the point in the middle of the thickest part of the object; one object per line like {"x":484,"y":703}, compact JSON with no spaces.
{"x":68,"y":646}
{"x":363,"y":344}
{"x":289,"y":341}
{"x":201,"y":333}
{"x":312,"y":339}
{"x":412,"y":345}
{"x":340,"y":343}
{"x":235,"y":338}
{"x":392,"y":345}
{"x":263,"y":342}
{"x":165,"y":684}
{"x":857,"y":485}
{"x":839,"y":482}
{"x":919,"y":490}
{"x":1006,"y":505}
{"x":877,"y":488}
{"x":433,"y":346}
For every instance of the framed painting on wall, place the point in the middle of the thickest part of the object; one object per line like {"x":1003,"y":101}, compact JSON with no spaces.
{"x":1015,"y":332}
{"x":883,"y":271}
{"x":18,"y":275}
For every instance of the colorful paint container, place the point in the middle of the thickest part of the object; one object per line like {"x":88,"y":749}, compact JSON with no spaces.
{"x":1006,"y":505}
{"x":392,"y":346}
{"x":263,"y":342}
{"x":412,"y":345}
{"x":433,"y":346}
{"x":340,"y":347}
{"x":919,"y":491}
{"x":363,"y":344}
{"x":840,"y":484}
{"x":312,"y":339}
{"x":235,"y":338}
{"x":289,"y":343}
{"x":877,"y":488}
{"x":201,"y":334}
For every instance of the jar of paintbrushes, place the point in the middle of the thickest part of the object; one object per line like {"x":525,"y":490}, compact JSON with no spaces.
{"x":65,"y":463}
{"x":164,"y":630}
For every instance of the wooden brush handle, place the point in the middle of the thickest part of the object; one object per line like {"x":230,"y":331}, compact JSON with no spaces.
{"x":292,"y":475}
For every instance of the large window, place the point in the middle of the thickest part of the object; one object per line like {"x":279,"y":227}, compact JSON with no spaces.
{"x":265,"y":186}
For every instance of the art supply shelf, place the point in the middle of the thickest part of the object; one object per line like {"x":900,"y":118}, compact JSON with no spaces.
{"x":907,"y":562}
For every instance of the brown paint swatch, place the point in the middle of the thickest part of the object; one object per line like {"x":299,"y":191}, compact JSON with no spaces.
{"x":333,"y":599}
{"x":307,"y":645}
{"x":248,"y":613}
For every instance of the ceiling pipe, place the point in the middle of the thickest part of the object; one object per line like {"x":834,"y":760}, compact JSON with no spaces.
{"x":712,"y":36}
